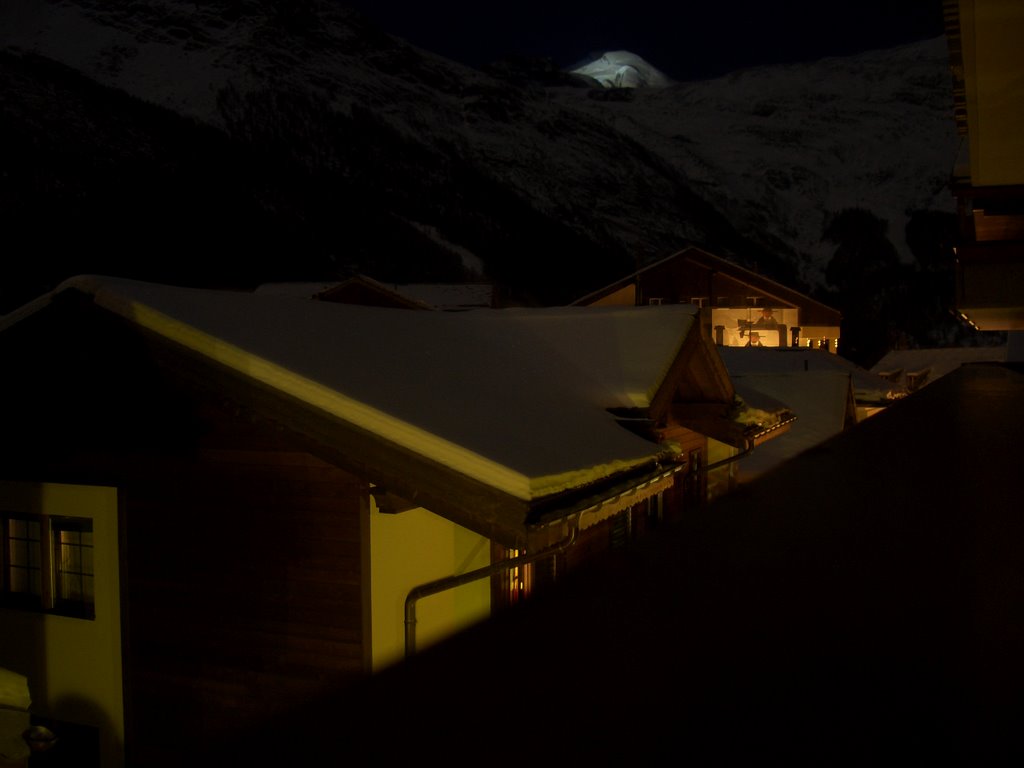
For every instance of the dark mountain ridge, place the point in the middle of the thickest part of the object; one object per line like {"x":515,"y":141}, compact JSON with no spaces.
{"x":394,"y":163}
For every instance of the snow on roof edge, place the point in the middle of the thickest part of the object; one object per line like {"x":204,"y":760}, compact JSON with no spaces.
{"x":375,"y":421}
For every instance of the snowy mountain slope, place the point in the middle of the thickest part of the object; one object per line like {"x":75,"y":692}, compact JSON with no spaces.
{"x":622,"y":69}
{"x":781,"y":149}
{"x":544,"y":186}
{"x":496,"y":173}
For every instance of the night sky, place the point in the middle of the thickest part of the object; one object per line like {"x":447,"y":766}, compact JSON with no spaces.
{"x":686,"y":40}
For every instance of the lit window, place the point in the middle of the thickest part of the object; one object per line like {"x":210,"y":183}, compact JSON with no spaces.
{"x":516,"y":583}
{"x":47,"y":564}
{"x":73,"y":592}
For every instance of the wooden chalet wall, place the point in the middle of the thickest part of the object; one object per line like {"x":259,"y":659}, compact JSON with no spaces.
{"x":679,"y":281}
{"x":686,"y":494}
{"x":696,"y":276}
{"x":242,"y":556}
{"x":702,"y":275}
{"x":638,"y":520}
{"x":244,"y":583}
{"x":692,"y":487}
{"x":611,"y":535}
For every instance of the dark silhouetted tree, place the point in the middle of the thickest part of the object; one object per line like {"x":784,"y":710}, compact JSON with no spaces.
{"x":887,"y":304}
{"x":863,"y":273}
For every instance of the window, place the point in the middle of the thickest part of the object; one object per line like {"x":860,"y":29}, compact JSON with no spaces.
{"x":620,"y":530}
{"x":655,"y":508}
{"x":73,"y":593}
{"x":48,"y":564}
{"x":23,"y":562}
{"x":514,"y":585}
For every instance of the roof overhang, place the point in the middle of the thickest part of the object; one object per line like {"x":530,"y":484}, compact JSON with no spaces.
{"x":554,"y":524}
{"x":715,"y":422}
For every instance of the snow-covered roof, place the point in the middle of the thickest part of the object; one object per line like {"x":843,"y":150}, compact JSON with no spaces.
{"x":817,"y":386}
{"x":821,"y":401}
{"x":444,"y":296}
{"x":296,"y":289}
{"x":868,"y":387}
{"x":935,"y":362}
{"x":516,"y":399}
{"x":449,"y":295}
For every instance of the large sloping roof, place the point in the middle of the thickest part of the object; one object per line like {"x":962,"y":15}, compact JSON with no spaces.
{"x":517,"y":399}
{"x":868,"y":386}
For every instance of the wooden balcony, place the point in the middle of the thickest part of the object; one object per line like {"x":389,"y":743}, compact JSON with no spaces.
{"x":990,"y":285}
{"x":990,"y":257}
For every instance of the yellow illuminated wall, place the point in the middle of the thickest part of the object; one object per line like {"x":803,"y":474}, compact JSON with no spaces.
{"x":991,"y":34}
{"x":73,"y":665}
{"x":721,"y":479}
{"x":411,"y":548}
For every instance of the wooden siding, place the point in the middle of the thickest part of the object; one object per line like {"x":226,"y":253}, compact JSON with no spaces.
{"x":691,"y":489}
{"x":243,"y":557}
{"x":245,"y":592}
{"x":681,"y":280}
{"x":696,"y":274}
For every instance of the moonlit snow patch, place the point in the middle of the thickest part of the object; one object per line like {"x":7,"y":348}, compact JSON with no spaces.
{"x":622,"y":69}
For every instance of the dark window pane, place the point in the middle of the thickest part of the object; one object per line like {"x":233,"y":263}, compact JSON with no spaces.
{"x":24,"y":575}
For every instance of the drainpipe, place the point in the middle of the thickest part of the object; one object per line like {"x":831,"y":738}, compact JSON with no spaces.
{"x":450,"y":582}
{"x":749,"y":446}
{"x":728,"y":460}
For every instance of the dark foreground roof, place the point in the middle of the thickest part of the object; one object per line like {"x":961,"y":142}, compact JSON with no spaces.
{"x":862,"y":604}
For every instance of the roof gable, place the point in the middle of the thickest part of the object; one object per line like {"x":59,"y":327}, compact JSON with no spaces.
{"x":721,"y":267}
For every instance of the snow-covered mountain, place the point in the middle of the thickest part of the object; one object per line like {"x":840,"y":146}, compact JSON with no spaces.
{"x":780,"y":150}
{"x":621,"y":69}
{"x":387,"y":158}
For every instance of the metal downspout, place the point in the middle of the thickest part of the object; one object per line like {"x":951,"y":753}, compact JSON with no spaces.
{"x":728,"y":460}
{"x":450,"y":582}
{"x":749,"y":446}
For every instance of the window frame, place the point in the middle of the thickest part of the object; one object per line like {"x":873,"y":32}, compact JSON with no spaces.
{"x":50,"y":598}
{"x":26,"y":599}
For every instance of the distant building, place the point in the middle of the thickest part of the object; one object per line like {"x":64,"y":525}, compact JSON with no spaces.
{"x":732,"y":301}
